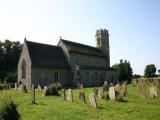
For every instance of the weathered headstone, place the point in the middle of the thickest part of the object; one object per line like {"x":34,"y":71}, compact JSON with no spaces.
{"x":21,"y":87}
{"x":153,"y":92}
{"x":82,"y":96}
{"x":156,"y":83}
{"x":105,"y":86}
{"x":15,"y":86}
{"x":100,"y":93}
{"x":92,"y":98}
{"x":117,"y":87}
{"x":69,"y":95}
{"x":134,"y":82}
{"x":119,"y":92}
{"x":44,"y":91}
{"x":123,"y":89}
{"x":95,"y":91}
{"x":81,"y":87}
{"x":111,"y":93}
{"x":62,"y":93}
{"x":39,"y":88}
{"x":33,"y":95}
{"x":142,"y":89}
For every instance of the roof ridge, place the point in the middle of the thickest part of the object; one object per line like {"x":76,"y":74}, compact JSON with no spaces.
{"x":40,"y":43}
{"x":81,"y":44}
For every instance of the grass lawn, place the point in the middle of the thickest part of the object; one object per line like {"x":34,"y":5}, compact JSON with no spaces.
{"x":52,"y":108}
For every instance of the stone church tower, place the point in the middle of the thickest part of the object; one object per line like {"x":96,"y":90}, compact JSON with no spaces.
{"x":102,"y":42}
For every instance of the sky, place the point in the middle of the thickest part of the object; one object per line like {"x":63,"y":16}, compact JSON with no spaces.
{"x":133,"y":25}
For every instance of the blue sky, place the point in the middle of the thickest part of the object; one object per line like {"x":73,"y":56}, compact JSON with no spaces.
{"x":134,"y":25}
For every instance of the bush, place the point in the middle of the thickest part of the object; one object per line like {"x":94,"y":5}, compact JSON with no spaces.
{"x":53,"y":89}
{"x":8,"y":109}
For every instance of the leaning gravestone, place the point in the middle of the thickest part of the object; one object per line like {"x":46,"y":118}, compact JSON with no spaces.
{"x":82,"y":96}
{"x":111,"y":93}
{"x":95,"y":91}
{"x":92,"y":99}
{"x":62,"y":93}
{"x":69,"y":95}
{"x":33,"y":95}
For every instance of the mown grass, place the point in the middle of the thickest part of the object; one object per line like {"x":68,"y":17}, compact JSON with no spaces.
{"x":52,"y":108}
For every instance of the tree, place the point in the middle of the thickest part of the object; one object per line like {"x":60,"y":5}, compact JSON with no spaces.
{"x":124,"y":70}
{"x":9,"y":56}
{"x":150,"y":71}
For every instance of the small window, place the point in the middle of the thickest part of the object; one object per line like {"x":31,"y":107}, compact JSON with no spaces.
{"x":23,"y":67}
{"x":56,"y":76}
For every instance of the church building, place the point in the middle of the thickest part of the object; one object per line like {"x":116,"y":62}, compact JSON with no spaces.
{"x":67,"y":63}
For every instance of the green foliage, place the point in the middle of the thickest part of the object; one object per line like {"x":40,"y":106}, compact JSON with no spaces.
{"x":8,"y":109}
{"x":150,"y":71}
{"x":124,"y":70}
{"x":9,"y":56}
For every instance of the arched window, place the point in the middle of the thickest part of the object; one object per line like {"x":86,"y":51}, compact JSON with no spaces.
{"x":23,"y":67}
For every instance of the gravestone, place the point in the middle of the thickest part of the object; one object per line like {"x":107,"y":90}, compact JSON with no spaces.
{"x":15,"y":86}
{"x":117,"y":87}
{"x":33,"y":95}
{"x":44,"y":91}
{"x":82,"y":96}
{"x":111,"y":93}
{"x":62,"y":93}
{"x":39,"y":88}
{"x":142,"y":89}
{"x":123,"y":89}
{"x":134,"y":82}
{"x":153,"y":91}
{"x":21,"y":87}
{"x":105,"y":86}
{"x":95,"y":91}
{"x":100,"y":93}
{"x":69,"y":95}
{"x":119,"y":92}
{"x":92,"y":99}
{"x":156,"y":83}
{"x":81,"y":87}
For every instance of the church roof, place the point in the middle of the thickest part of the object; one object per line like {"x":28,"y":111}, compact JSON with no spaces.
{"x":43,"y":55}
{"x":84,"y":49}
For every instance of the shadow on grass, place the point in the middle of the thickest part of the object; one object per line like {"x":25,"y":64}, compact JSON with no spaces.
{"x":123,"y":101}
{"x":100,"y":107}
